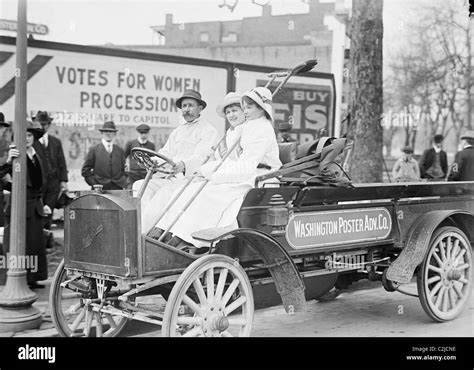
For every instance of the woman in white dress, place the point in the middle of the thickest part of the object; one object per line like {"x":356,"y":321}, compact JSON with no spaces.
{"x":218,"y":204}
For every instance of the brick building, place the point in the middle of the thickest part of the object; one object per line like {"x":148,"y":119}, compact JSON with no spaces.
{"x":270,"y":40}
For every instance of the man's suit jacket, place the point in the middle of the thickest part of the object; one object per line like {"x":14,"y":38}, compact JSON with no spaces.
{"x":427,"y":161}
{"x":103,"y":168}
{"x":57,"y":162}
{"x":462,"y":168}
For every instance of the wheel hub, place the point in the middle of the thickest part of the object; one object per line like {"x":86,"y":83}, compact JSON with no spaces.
{"x":220,"y":323}
{"x":214,"y":321}
{"x":454,"y":275}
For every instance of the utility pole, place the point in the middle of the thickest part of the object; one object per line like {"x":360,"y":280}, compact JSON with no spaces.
{"x":16,"y":310}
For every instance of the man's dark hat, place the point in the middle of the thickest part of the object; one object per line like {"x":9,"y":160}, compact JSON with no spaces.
{"x":285,"y":126}
{"x":35,"y":128}
{"x":469,"y":134}
{"x":2,"y":121}
{"x":43,"y":117}
{"x":108,"y":126}
{"x":407,"y":149}
{"x":143,"y":128}
{"x":193,"y":94}
{"x":438,"y":138}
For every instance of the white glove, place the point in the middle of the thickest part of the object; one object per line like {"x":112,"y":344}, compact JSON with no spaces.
{"x":46,"y":210}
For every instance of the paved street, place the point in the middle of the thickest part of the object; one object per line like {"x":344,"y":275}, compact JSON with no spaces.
{"x":364,"y":310}
{"x":368,"y":312}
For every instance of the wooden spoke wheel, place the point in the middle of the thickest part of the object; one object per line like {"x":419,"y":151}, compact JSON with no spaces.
{"x":73,"y":298}
{"x":212,"y":297}
{"x":445,"y":277}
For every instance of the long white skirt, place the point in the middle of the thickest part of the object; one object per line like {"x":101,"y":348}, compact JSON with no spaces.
{"x":154,"y":186}
{"x":217,"y":205}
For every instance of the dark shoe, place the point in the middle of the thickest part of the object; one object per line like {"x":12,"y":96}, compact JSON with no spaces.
{"x":35,"y":285}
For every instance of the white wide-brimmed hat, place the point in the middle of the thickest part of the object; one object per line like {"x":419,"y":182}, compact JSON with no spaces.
{"x":263,"y":97}
{"x":229,"y":99}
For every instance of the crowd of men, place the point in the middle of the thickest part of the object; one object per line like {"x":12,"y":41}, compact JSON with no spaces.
{"x":433,"y":164}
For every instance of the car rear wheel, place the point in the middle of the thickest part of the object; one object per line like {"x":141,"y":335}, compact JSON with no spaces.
{"x":445,"y":277}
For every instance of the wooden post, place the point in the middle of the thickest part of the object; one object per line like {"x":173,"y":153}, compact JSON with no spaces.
{"x":16,"y":310}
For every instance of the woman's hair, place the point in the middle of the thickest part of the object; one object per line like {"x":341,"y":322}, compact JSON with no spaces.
{"x":469,"y":141}
{"x":232,"y":105}
{"x":248,"y":100}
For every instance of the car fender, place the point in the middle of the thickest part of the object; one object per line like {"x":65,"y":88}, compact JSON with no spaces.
{"x":418,"y":241}
{"x":288,"y":280}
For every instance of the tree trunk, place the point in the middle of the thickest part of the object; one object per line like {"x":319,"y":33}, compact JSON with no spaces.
{"x":469,"y":77}
{"x":366,"y":91}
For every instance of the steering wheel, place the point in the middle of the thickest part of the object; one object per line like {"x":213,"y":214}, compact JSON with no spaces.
{"x":144,"y":158}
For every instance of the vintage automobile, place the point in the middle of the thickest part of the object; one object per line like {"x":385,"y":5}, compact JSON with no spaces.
{"x":297,"y":240}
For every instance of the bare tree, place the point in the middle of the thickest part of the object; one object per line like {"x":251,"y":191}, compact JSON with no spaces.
{"x":437,"y":73}
{"x":366,"y":90}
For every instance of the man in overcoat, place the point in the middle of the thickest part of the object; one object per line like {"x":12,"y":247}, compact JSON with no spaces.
{"x":463,"y":167}
{"x":105,"y":162}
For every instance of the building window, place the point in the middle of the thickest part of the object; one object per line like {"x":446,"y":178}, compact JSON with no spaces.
{"x":231,"y":37}
{"x":204,"y":37}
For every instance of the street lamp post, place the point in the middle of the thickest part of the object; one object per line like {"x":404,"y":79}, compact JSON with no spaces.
{"x":16,"y":310}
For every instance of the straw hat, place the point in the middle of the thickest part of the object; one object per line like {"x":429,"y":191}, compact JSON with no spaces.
{"x":263,"y":97}
{"x":229,"y":99}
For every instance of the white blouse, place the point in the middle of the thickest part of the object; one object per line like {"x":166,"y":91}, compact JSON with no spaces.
{"x":258,"y":145}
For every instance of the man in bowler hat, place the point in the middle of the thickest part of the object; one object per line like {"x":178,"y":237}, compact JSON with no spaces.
{"x":55,"y":167}
{"x":105,"y":162}
{"x":434,"y":161}
{"x":462,"y":168}
{"x":135,"y":172}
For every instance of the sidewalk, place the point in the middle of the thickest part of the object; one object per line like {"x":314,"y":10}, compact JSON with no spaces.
{"x":42,"y":303}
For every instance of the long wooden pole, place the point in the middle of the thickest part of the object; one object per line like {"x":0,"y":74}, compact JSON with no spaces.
{"x":198,"y":191}
{"x":16,"y":312}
